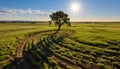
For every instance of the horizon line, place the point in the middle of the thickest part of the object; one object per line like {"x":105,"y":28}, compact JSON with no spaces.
{"x":49,"y":20}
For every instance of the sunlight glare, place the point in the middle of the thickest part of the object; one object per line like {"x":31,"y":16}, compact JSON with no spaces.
{"x":75,"y":7}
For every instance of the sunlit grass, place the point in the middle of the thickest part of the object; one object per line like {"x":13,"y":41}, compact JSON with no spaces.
{"x":91,"y":36}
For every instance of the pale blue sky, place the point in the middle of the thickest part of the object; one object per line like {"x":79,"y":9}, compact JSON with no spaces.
{"x":90,"y":10}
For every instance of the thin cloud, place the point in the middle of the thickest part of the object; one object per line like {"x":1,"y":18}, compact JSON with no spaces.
{"x":27,"y":11}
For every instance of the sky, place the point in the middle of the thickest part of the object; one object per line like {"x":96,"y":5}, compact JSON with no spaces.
{"x":78,"y":10}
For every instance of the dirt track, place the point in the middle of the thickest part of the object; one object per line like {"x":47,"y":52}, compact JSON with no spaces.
{"x":20,"y":55}
{"x":20,"y":62}
{"x":20,"y":59}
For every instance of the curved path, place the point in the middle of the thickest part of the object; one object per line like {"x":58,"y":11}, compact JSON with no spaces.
{"x":20,"y":62}
{"x":19,"y":58}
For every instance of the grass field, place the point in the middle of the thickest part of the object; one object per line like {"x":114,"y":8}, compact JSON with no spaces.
{"x":86,"y":46}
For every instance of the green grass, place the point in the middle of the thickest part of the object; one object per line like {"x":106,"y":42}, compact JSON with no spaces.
{"x":86,"y":45}
{"x":12,"y":34}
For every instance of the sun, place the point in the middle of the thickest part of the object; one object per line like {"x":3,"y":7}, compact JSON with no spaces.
{"x":75,"y":7}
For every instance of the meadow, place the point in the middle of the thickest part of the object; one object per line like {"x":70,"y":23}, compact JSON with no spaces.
{"x":81,"y":46}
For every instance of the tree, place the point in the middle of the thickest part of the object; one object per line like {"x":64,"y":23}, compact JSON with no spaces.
{"x":60,"y":18}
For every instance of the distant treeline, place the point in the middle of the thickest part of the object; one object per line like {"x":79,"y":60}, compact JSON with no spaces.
{"x":95,"y":22}
{"x":47,"y":22}
{"x":23,"y":21}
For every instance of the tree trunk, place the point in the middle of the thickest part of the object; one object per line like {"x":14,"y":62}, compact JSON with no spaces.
{"x":59,"y":27}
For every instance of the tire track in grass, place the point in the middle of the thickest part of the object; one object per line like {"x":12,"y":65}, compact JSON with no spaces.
{"x":20,"y":57}
{"x":20,"y":62}
{"x":60,"y":61}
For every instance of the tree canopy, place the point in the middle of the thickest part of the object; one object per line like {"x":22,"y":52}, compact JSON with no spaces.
{"x":60,"y":18}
